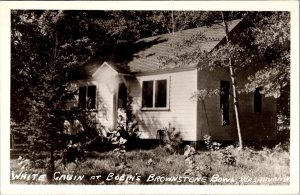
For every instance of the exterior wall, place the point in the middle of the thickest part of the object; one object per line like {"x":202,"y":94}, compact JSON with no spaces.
{"x":254,"y":126}
{"x":106,"y":82}
{"x":181,"y":113}
{"x":192,"y":119}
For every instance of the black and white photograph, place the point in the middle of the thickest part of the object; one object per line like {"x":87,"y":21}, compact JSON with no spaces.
{"x":150,"y":97}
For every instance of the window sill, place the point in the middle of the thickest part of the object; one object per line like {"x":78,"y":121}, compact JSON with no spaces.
{"x":155,"y":109}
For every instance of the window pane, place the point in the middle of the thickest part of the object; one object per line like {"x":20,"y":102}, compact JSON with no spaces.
{"x":161,"y":93}
{"x":147,"y":97}
{"x":257,"y":100}
{"x":82,"y":97}
{"x":224,"y":102}
{"x":91,"y":102}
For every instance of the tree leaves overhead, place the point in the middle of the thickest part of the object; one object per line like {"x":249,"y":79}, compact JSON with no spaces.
{"x":40,"y":62}
{"x":271,"y":32}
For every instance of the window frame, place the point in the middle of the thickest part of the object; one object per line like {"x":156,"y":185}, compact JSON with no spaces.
{"x":87,"y":85}
{"x":154,"y":80}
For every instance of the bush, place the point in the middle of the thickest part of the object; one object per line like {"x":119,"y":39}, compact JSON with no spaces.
{"x":170,"y":138}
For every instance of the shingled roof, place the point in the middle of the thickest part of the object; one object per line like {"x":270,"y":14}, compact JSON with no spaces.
{"x":143,"y":55}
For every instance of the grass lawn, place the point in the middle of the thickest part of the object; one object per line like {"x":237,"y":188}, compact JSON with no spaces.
{"x":157,"y":166}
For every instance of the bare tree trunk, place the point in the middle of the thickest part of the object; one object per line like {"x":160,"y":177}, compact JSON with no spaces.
{"x":233,"y":82}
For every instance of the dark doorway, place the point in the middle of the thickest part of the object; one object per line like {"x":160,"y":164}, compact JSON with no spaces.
{"x":258,"y":100}
{"x":122,"y":96}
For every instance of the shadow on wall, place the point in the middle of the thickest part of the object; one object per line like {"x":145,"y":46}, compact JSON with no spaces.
{"x":205,"y":125}
{"x":149,"y":123}
{"x":210,"y":120}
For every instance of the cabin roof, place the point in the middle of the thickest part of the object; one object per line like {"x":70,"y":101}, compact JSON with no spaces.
{"x":143,"y":55}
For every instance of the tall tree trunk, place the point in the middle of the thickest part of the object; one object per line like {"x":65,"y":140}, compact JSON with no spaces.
{"x":233,"y":82}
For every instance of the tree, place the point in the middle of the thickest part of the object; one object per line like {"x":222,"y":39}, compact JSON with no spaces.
{"x":233,"y":83}
{"x":271,"y":35}
{"x":271,"y":32}
{"x":43,"y":54}
{"x":46,"y":46}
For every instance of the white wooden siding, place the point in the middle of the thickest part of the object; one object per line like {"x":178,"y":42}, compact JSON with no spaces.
{"x":182,"y":111}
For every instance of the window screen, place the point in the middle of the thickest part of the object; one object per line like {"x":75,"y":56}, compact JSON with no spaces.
{"x":161,"y":93}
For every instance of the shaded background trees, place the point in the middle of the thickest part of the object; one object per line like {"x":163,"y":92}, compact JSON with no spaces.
{"x":271,"y":32}
{"x":43,"y":53}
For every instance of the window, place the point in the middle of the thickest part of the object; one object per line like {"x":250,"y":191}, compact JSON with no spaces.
{"x":257,"y":100}
{"x":154,"y":94}
{"x":87,"y":97}
{"x":224,"y":102}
